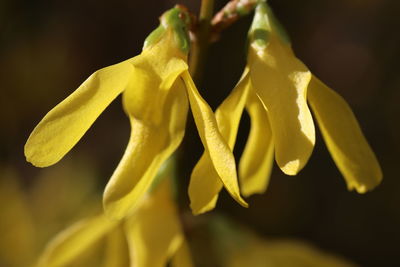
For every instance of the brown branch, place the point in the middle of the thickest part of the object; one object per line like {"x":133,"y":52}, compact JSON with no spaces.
{"x":229,"y":14}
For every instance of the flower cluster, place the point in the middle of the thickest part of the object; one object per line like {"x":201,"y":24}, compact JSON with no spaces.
{"x":130,"y":240}
{"x":276,"y":89}
{"x":157,"y":89}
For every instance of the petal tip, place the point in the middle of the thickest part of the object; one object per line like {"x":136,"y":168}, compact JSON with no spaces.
{"x":199,"y":211}
{"x":292,"y":167}
{"x":364,"y":188}
{"x":39,"y":157}
{"x":198,"y":208}
{"x":31,"y":158}
{"x":366,"y":182}
{"x":242,"y":202}
{"x":248,"y":192}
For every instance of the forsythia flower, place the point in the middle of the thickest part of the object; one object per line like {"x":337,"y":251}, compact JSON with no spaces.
{"x":275,"y":88}
{"x":138,"y":240}
{"x":29,"y":219}
{"x":156,"y":87}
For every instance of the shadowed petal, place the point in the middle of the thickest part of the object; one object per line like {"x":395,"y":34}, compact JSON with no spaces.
{"x":344,"y":138}
{"x":258,"y":156}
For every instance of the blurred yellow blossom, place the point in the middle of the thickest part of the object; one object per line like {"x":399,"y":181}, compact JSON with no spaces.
{"x":33,"y":214}
{"x":275,"y":88}
{"x":150,"y":237}
{"x":157,"y":88}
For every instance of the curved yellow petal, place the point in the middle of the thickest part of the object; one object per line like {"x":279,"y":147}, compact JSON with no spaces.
{"x":216,"y":148}
{"x":163,"y":60}
{"x":65,"y":124}
{"x":73,"y":241}
{"x":153,"y":139}
{"x":204,"y":186}
{"x":154,"y":232}
{"x":344,"y":138}
{"x":205,"y":183}
{"x":258,"y":156}
{"x":281,"y":81}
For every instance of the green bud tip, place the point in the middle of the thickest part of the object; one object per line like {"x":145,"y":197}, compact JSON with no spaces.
{"x":264,"y":23}
{"x":176,"y":19}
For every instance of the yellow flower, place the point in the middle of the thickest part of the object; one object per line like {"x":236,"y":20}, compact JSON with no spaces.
{"x":138,"y":240}
{"x":275,"y":88}
{"x":156,"y":87}
{"x":36,"y":212}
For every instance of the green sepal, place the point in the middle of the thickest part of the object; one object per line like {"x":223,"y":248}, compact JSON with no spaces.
{"x":176,"y":19}
{"x":277,"y":26}
{"x":264,"y":23}
{"x":260,"y":28}
{"x":154,"y":36}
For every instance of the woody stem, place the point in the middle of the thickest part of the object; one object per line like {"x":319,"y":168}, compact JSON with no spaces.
{"x":201,"y":40}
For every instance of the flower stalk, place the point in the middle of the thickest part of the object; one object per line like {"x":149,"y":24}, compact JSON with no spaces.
{"x":200,"y":40}
{"x":229,"y":14}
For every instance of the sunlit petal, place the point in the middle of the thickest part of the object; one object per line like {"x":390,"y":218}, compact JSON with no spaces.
{"x":152,"y":141}
{"x":344,"y":138}
{"x":258,"y":156}
{"x":216,"y":147}
{"x":65,"y":124}
{"x":281,"y":81}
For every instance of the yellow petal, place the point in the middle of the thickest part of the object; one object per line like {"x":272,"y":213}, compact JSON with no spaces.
{"x":281,"y":81}
{"x":344,"y":138}
{"x":182,"y":257}
{"x":152,"y":141}
{"x":164,"y":60}
{"x":116,"y":253}
{"x":205,"y":183}
{"x":154,"y":232}
{"x":73,"y":241}
{"x":65,"y":124}
{"x":147,"y":93}
{"x":204,"y":187}
{"x":258,"y":156}
{"x":215,"y":146}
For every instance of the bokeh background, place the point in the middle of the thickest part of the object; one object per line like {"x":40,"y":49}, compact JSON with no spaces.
{"x":47,"y":48}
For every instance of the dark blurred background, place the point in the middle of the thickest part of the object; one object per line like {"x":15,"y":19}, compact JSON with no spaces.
{"x":47,"y":48}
